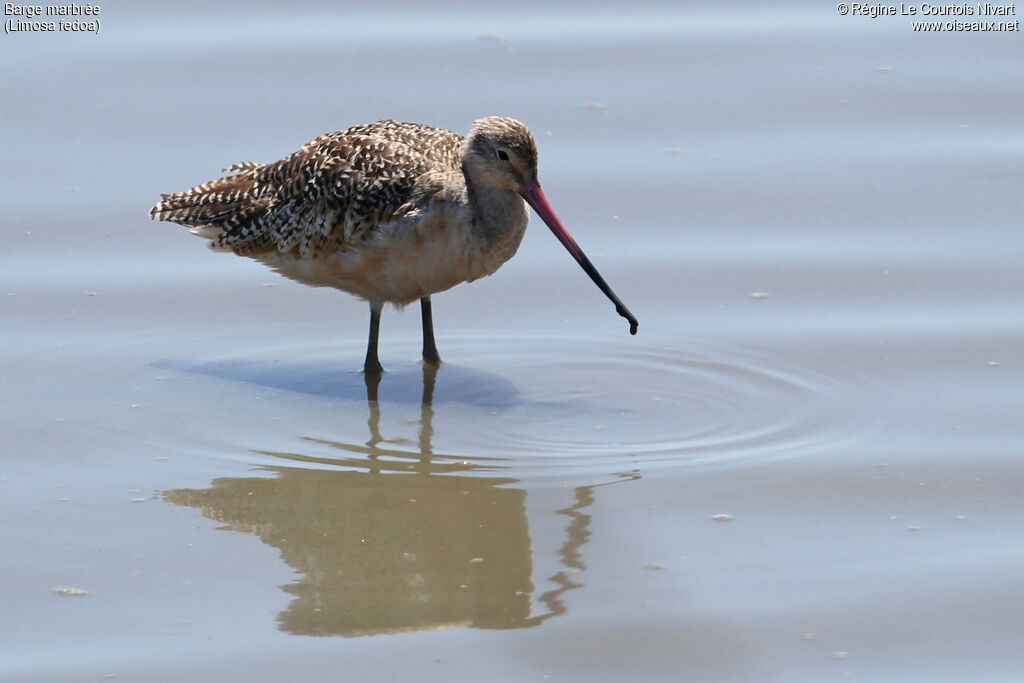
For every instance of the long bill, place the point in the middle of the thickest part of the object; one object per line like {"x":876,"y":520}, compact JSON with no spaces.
{"x":534,"y":196}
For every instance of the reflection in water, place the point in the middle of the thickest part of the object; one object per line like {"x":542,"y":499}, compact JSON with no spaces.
{"x":384,"y":553}
{"x":397,"y":540}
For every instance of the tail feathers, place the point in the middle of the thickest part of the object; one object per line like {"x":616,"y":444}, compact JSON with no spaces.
{"x":234,"y":232}
{"x":212,"y":205}
{"x":207,"y":232}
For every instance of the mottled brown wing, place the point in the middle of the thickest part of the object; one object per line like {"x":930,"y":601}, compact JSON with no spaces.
{"x":441,"y":147}
{"x":325,"y":197}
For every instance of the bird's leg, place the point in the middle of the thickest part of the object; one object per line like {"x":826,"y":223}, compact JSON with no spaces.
{"x":430,"y":354}
{"x":372,"y":364}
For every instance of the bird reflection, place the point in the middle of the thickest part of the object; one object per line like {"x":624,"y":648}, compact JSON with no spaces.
{"x":391,"y":539}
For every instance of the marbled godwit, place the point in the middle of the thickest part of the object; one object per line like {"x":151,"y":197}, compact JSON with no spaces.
{"x":389,"y":212}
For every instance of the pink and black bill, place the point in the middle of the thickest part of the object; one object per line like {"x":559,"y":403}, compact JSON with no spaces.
{"x":534,"y":196}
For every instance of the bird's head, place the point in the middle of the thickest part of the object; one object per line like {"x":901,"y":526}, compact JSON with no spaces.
{"x":501,"y":152}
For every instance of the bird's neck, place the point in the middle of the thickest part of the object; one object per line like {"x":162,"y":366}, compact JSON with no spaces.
{"x":499,"y":215}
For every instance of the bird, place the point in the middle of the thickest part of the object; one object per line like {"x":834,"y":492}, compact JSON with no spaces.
{"x":389,"y":212}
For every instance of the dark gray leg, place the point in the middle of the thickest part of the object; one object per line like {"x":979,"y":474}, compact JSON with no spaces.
{"x":372,"y":364}
{"x":430,"y":354}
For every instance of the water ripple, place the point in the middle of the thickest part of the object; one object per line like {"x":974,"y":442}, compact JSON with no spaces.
{"x":560,"y":406}
{"x":657,"y":404}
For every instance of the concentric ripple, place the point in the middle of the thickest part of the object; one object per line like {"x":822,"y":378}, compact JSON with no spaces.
{"x":652,"y":404}
{"x":536,"y":405}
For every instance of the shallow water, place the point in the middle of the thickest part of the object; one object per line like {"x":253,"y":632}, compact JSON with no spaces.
{"x":806,"y":466}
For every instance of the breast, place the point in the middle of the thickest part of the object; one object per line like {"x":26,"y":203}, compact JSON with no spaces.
{"x":406,"y":259}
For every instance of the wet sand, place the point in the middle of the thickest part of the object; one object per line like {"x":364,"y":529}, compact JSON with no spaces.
{"x":805,"y":467}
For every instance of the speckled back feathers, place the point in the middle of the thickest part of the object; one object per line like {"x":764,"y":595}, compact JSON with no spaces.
{"x":325,"y":196}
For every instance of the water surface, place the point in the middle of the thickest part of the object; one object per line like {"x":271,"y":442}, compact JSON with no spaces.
{"x":805,"y":467}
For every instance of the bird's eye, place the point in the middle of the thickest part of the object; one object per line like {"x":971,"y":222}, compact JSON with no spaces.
{"x":502,"y":154}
